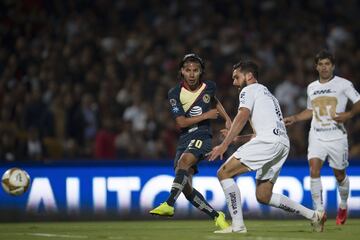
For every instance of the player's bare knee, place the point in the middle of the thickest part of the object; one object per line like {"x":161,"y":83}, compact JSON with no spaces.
{"x":340,"y":176}
{"x":219,"y":173}
{"x":263,"y":197}
{"x":222,"y":173}
{"x":261,"y":200}
{"x":314,"y":172}
{"x":263,"y":194}
{"x":183,"y":165}
{"x":179,"y":167}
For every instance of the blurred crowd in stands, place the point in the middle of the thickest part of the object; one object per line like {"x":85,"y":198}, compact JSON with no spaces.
{"x":89,"y":79}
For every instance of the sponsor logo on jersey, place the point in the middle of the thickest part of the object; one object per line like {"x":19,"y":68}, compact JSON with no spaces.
{"x":337,"y":127}
{"x":278,"y":132}
{"x":193,"y":129}
{"x":324,"y":91}
{"x":173,"y":102}
{"x":175,"y":109}
{"x":242,"y":97}
{"x":206,"y":98}
{"x":195,"y":111}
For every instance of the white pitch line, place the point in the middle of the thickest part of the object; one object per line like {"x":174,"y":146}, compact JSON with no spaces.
{"x":56,"y":235}
{"x":256,"y":238}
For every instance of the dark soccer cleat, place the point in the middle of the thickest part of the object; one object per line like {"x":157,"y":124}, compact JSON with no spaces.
{"x":341,"y":216}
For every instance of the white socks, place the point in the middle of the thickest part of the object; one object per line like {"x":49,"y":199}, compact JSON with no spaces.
{"x":233,"y":200}
{"x":285,"y":203}
{"x":316,"y":193}
{"x":344,"y":192}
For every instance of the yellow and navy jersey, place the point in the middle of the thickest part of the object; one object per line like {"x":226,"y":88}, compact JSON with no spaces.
{"x":190,"y":104}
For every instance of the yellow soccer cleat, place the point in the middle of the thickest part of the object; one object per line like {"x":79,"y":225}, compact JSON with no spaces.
{"x":221,"y":222}
{"x":163,"y":210}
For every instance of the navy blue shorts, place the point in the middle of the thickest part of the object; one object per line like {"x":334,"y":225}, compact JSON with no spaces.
{"x":198,"y":146}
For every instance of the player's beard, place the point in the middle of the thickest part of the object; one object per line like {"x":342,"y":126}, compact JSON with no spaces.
{"x":241,"y":86}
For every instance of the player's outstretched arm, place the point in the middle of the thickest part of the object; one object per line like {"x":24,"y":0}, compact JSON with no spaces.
{"x":302,"y":116}
{"x":223,"y":113}
{"x":344,"y":116}
{"x":184,"y":122}
{"x":238,"y":124}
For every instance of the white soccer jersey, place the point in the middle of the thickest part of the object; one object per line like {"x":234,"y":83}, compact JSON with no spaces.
{"x":265,"y":114}
{"x":325,"y":100}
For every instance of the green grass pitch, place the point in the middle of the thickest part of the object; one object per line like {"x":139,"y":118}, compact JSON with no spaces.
{"x":175,"y":230}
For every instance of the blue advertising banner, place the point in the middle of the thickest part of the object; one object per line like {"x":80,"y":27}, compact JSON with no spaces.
{"x":135,"y":187}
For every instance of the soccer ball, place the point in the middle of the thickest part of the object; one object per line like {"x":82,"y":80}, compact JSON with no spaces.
{"x":15,"y":181}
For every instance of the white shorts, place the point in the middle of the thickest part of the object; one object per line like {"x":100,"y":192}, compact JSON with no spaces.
{"x":335,"y":151}
{"x":263,"y":157}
